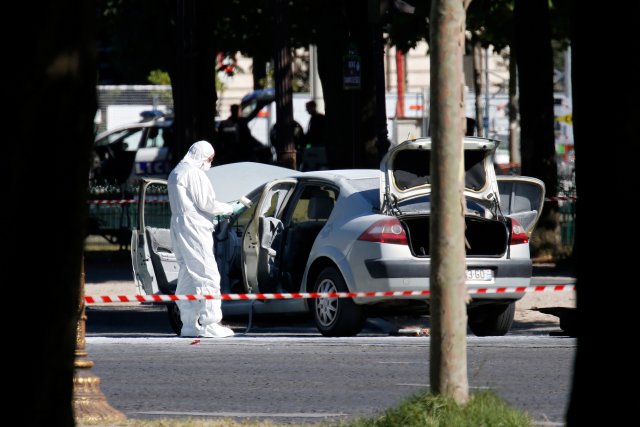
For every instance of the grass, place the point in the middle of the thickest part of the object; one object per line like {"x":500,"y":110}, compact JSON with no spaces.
{"x":484,"y":409}
{"x":98,"y":244}
{"x":428,"y":410}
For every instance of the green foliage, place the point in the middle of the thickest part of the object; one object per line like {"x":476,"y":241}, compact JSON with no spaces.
{"x":492,"y":21}
{"x":159,"y":77}
{"x":134,"y":37}
{"x":139,"y":36}
{"x":405,"y":30}
{"x":428,"y":410}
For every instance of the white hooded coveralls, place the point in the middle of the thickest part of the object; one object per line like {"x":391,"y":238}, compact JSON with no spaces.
{"x":193,"y":207}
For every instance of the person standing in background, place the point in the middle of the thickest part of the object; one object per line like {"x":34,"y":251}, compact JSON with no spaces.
{"x":315,"y":130}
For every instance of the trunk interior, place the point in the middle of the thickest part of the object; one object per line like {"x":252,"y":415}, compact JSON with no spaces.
{"x":486,"y":237}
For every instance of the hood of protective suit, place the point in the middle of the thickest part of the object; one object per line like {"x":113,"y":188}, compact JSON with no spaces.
{"x":198,"y":154}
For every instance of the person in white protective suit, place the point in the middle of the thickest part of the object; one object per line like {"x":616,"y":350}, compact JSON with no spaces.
{"x":193,"y":210}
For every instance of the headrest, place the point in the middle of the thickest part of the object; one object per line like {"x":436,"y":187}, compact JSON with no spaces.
{"x":320,"y":207}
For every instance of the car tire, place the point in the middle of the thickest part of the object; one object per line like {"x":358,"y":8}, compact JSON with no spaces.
{"x":174,"y":317}
{"x":335,"y":317}
{"x":492,"y":320}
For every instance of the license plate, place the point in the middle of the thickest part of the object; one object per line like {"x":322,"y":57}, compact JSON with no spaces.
{"x":479,"y":275}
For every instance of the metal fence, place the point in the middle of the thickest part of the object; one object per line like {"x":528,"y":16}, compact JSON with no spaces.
{"x":113,"y":215}
{"x":119,"y":104}
{"x":567,"y":205}
{"x":567,"y":222}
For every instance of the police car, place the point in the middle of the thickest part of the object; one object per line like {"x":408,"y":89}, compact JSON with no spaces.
{"x":123,"y":154}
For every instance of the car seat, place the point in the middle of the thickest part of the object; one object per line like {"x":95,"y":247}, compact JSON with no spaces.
{"x":302,"y":236}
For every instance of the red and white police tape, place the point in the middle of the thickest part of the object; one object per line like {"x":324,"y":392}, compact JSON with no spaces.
{"x":304,"y":295}
{"x":558,"y":198}
{"x":123,"y":201}
{"x":130,"y":201}
{"x":111,"y":201}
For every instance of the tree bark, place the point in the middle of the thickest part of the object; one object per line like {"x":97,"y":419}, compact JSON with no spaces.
{"x":285,"y":144}
{"x":332,"y":43}
{"x":193,"y":77}
{"x":478,"y":81}
{"x":351,"y":136}
{"x":51,"y":89}
{"x":448,"y":366}
{"x":259,"y":71}
{"x":514,"y":122}
{"x":606,"y":109}
{"x":382,"y":132}
{"x":537,"y":138}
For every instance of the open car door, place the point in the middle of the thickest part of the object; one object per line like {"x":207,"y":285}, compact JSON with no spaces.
{"x":155,"y":268}
{"x":521,"y":198}
{"x":261,"y":237}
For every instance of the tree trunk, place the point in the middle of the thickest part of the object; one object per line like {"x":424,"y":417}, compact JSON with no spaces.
{"x":332,"y":43}
{"x":51,"y":90}
{"x":448,"y":366}
{"x":193,"y":77}
{"x":537,"y":142}
{"x":514,"y":123}
{"x":259,"y":70}
{"x":364,"y":121}
{"x":382,"y":132}
{"x":285,"y":144}
{"x":351,"y":136}
{"x":605,"y":123}
{"x":400,"y":80}
{"x":478,"y":82}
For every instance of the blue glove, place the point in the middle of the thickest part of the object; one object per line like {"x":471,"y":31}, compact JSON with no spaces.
{"x":237,"y":208}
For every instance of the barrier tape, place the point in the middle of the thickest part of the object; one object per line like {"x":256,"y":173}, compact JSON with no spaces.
{"x":558,"y":198}
{"x":130,"y":201}
{"x":306,"y":295}
{"x":112,"y":202}
{"x":122,"y":201}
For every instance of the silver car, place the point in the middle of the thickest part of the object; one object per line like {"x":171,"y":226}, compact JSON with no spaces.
{"x":357,"y":230}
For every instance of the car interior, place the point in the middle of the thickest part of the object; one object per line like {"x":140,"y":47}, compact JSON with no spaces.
{"x":308,"y":217}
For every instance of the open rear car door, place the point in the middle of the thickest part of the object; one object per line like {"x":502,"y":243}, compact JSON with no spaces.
{"x":521,"y":198}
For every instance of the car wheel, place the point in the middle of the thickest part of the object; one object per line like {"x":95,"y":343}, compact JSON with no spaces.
{"x":174,"y":317}
{"x":335,"y":317}
{"x":492,"y":320}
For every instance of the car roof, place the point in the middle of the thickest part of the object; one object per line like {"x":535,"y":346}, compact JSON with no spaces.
{"x":234,"y":180}
{"x":161,"y":122}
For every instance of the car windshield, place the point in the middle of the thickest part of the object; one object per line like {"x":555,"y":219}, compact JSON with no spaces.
{"x":130,"y":138}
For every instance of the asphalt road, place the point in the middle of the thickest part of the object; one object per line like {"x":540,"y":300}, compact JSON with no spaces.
{"x":291,"y":374}
{"x":283,"y":370}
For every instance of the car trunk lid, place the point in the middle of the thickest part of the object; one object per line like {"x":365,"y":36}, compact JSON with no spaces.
{"x":405,"y":192}
{"x":405,"y":173}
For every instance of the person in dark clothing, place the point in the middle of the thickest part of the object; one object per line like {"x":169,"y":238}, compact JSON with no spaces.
{"x":315,"y":131}
{"x":313,"y":153}
{"x":235,"y":141}
{"x":471,"y":127}
{"x":226,"y":141}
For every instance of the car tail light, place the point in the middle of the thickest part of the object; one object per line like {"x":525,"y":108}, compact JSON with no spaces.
{"x":385,"y":231}
{"x":518,"y":233}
